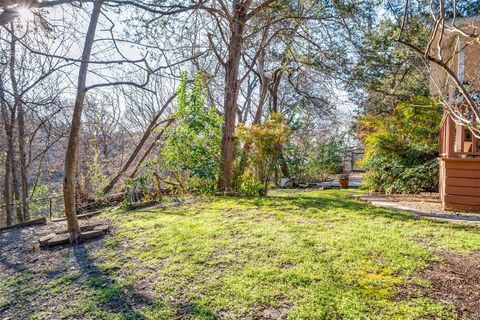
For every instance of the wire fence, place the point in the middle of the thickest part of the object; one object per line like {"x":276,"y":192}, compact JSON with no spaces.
{"x":51,"y":207}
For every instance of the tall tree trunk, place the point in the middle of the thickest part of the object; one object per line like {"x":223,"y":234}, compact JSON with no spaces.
{"x":23,"y":161}
{"x":232,"y":86}
{"x":72,"y":147}
{"x":261,"y":103}
{"x":15,"y":186}
{"x":273,"y":88}
{"x":11,"y":140}
{"x":79,"y":193}
{"x":7,"y":195}
{"x":23,"y":207}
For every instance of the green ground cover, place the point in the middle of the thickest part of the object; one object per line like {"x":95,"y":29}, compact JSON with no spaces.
{"x":298,"y":255}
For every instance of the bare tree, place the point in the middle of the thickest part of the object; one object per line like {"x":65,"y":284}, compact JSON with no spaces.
{"x":231,"y":22}
{"x":7,"y":124}
{"x":453,"y":79}
{"x":153,"y":125}
{"x":72,"y":147}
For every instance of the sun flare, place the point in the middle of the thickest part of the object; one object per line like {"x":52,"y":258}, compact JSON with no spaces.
{"x":25,"y":14}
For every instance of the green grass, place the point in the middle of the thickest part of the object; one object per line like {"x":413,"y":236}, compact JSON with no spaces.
{"x":298,"y":255}
{"x":304,"y":254}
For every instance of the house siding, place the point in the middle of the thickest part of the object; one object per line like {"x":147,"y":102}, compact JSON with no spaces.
{"x":460,"y":184}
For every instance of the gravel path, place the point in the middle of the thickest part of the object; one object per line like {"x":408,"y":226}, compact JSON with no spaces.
{"x":426,"y":205}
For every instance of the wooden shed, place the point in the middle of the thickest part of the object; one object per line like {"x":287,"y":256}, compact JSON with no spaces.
{"x":459,"y":183}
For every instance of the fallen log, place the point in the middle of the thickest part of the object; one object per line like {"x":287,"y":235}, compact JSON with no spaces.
{"x":85,"y":226}
{"x":81,"y":216}
{"x":109,"y":201}
{"x":33,"y":222}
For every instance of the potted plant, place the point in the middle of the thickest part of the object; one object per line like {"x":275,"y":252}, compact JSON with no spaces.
{"x":344,"y":179}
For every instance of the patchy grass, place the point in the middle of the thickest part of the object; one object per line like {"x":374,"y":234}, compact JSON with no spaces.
{"x":298,"y":255}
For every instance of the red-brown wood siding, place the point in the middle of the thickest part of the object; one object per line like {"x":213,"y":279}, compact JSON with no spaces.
{"x":460,"y":184}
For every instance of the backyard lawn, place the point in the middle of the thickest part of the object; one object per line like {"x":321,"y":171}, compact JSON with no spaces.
{"x":294,"y":254}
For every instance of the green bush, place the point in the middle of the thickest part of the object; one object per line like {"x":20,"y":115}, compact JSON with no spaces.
{"x":402,"y":150}
{"x":192,"y":147}
{"x":196,"y":184}
{"x":394,"y":175}
{"x":320,"y":161}
{"x":250,"y":186}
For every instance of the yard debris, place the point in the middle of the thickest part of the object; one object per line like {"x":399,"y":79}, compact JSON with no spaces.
{"x":81,"y":216}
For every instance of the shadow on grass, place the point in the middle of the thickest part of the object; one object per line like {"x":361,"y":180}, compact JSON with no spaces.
{"x":13,"y":236}
{"x":27,"y":276}
{"x":110,"y":296}
{"x":125,"y":300}
{"x":14,"y":265}
{"x":332,"y":201}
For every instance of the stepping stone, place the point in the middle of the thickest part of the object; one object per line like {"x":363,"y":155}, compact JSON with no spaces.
{"x":88,"y":226}
{"x":90,"y":231}
{"x":91,"y":234}
{"x":103,"y":228}
{"x":59,"y":239}
{"x":44,"y":240}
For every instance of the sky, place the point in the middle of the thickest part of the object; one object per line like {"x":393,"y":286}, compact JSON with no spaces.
{"x":104,"y":51}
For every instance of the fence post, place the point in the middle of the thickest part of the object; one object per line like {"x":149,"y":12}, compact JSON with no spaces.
{"x":50,"y":207}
